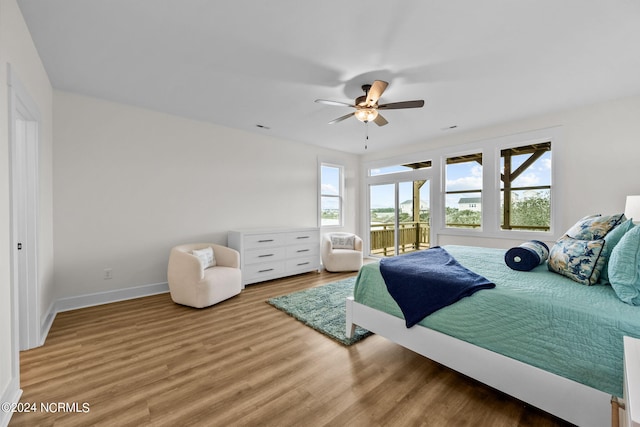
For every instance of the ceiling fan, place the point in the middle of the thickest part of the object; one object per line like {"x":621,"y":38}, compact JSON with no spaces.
{"x":367,"y":105}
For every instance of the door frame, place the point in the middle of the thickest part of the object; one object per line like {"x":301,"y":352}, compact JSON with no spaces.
{"x":394,"y":179}
{"x":24,"y":178}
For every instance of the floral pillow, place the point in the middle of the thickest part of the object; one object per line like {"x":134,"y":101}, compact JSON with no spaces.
{"x":576,"y":259}
{"x":595,"y":227}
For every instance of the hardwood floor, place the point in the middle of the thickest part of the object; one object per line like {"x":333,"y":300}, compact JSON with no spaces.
{"x":242,"y":362}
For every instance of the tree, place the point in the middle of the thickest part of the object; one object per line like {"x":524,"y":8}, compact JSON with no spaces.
{"x":532,"y":211}
{"x":455,"y":216}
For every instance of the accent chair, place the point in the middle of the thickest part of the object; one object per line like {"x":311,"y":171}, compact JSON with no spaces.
{"x":203,"y":274}
{"x":341,"y":252}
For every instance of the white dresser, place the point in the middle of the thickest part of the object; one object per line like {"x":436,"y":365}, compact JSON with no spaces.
{"x":270,"y":253}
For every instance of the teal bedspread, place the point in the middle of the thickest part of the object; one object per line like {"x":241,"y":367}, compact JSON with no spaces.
{"x":538,"y":317}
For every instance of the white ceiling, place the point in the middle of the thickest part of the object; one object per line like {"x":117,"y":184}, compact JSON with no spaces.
{"x":242,"y":63}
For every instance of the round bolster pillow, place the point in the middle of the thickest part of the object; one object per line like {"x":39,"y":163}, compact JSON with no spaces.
{"x":527,"y":256}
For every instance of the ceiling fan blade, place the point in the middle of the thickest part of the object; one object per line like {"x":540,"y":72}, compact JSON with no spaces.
{"x":380,"y":121}
{"x":403,"y":104}
{"x":339,"y":119}
{"x":338,"y":103}
{"x":375,"y":92}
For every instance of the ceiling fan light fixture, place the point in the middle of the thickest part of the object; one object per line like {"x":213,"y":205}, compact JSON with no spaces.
{"x":366,"y":114}
{"x":366,"y":106}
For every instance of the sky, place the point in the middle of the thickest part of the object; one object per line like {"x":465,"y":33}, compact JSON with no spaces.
{"x":330,"y":185}
{"x":383,"y":196}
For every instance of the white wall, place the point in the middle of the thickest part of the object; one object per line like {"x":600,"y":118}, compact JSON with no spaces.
{"x":130,"y":183}
{"x":17,"y":49}
{"x":598,"y":159}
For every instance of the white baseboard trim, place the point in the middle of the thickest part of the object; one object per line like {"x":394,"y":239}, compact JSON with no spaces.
{"x":10,"y":395}
{"x":48,"y":321}
{"x":99,"y":298}
{"x":89,"y":300}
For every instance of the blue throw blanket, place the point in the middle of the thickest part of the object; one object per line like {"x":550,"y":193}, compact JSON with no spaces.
{"x":425,"y":281}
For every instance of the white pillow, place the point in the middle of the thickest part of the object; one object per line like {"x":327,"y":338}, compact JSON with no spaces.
{"x":205,"y":256}
{"x":343,"y":242}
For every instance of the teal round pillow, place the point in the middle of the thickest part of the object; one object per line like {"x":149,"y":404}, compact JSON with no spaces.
{"x":527,"y":256}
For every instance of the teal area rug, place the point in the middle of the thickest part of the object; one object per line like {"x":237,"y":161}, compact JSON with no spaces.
{"x":323,"y":309}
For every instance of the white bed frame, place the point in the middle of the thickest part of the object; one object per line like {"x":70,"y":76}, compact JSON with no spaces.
{"x":564,"y":398}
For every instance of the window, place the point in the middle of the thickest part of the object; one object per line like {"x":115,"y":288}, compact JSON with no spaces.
{"x":495,"y":188}
{"x":525,"y":184}
{"x":463,"y":205}
{"x":331,"y":189}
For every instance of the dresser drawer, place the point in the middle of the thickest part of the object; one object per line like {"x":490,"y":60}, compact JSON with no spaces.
{"x":303,"y":250}
{"x":253,"y":241}
{"x":301,"y":237}
{"x":260,"y":255}
{"x":302,"y":264}
{"x":264,"y":271}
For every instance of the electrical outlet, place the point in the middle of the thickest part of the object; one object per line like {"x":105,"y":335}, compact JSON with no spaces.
{"x":108,"y":273}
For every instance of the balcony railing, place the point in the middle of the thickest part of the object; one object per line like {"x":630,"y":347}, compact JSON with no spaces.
{"x":413,"y":236}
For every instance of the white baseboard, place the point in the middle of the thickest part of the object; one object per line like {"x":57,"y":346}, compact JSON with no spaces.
{"x":99,"y":298}
{"x":48,"y":321}
{"x":10,"y":395}
{"x":89,"y":300}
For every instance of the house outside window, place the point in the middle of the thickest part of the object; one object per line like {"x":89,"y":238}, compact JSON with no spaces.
{"x":331,"y":195}
{"x":470,"y":203}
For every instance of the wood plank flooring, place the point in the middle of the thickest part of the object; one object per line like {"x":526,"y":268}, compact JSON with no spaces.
{"x":243,"y":363}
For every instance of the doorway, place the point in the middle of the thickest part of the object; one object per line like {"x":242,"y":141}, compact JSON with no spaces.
{"x":24,"y":124}
{"x":399,"y":217}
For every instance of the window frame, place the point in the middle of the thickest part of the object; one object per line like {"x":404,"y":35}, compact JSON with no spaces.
{"x":339,"y":196}
{"x":549,"y":187}
{"x":445,"y":192}
{"x":491,"y":208}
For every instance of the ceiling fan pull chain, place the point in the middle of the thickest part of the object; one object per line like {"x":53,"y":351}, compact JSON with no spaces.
{"x":366,"y":134}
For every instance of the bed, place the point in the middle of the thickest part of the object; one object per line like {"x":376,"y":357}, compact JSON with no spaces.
{"x":537,"y":336}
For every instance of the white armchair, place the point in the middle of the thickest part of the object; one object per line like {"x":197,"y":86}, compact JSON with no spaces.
{"x":341,"y":252}
{"x":191,"y":284}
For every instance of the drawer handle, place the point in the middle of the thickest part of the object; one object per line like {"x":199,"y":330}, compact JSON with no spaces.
{"x":303,"y":237}
{"x":264,"y":256}
{"x":265,"y":271}
{"x":303,"y":263}
{"x":265,"y":241}
{"x":303,"y":250}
